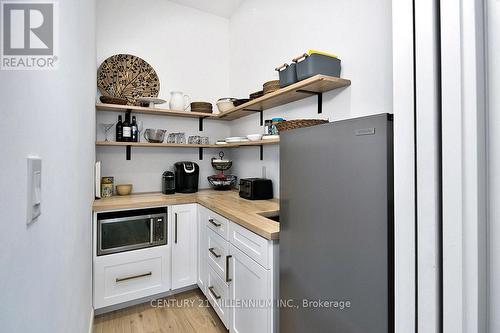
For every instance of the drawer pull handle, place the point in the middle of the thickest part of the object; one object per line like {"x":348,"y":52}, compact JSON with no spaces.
{"x":175,"y":233}
{"x":133,"y":277}
{"x":214,"y":223}
{"x":211,"y":250}
{"x":228,"y":279}
{"x":214,"y":294}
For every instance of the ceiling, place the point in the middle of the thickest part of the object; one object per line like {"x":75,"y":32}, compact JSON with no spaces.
{"x":224,"y":8}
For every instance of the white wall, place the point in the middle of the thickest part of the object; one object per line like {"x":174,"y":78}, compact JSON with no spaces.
{"x":45,"y":268}
{"x":264,"y":34}
{"x":493,"y":69}
{"x":189,"y":50}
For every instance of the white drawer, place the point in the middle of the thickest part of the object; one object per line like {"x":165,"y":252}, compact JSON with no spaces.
{"x":130,"y":275}
{"x":218,"y":223}
{"x":217,"y":253}
{"x":218,"y":296}
{"x":253,"y":245}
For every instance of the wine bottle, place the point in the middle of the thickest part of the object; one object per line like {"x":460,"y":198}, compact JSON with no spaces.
{"x":134,"y":130}
{"x":119,"y":129}
{"x":127,"y":128}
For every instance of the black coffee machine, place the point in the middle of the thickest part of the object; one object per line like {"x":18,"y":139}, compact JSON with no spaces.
{"x":186,"y":177}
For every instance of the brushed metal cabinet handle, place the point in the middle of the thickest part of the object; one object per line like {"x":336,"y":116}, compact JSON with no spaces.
{"x":228,"y":279}
{"x":133,"y":277}
{"x":151,"y":231}
{"x":211,"y":250}
{"x":211,"y":289}
{"x":175,"y":227}
{"x":214,"y":223}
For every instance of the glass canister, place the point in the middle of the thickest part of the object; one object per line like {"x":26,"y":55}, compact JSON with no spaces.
{"x":268,"y":127}
{"x":107,"y":187}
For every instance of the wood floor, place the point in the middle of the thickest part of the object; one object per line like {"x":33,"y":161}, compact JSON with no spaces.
{"x":185,"y":312}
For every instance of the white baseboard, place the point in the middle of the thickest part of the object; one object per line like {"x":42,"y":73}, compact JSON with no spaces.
{"x":91,"y":321}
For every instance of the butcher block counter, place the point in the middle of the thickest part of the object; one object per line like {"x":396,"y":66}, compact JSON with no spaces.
{"x":250,"y":214}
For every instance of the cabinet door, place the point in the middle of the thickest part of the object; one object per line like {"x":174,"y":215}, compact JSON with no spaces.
{"x":202,"y":274}
{"x":251,"y":294}
{"x":184,"y":245}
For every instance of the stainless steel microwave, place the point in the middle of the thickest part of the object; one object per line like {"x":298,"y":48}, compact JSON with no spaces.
{"x":131,"y":230}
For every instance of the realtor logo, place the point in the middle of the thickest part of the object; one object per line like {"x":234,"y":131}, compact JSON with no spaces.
{"x":28,"y":35}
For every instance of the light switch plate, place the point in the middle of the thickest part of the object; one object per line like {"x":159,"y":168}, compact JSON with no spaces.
{"x":34,"y":192}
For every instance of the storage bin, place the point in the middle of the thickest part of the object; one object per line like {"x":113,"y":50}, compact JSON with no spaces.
{"x":313,"y":63}
{"x":287,"y":73}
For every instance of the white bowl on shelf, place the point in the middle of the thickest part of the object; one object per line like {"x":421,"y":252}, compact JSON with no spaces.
{"x":254,"y":137}
{"x":225,"y":104}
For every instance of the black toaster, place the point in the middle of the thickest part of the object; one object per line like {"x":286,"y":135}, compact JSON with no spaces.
{"x":256,"y":188}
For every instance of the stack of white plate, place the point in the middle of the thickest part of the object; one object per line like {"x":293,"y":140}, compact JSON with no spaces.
{"x":271,"y":137}
{"x":234,"y":139}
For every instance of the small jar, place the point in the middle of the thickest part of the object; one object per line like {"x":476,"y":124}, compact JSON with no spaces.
{"x":107,"y":187}
{"x":274,"y":129}
{"x":267,"y":126}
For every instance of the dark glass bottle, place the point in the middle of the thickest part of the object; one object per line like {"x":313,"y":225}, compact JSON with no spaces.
{"x":134,"y":130}
{"x":119,"y":129}
{"x":127,"y":128}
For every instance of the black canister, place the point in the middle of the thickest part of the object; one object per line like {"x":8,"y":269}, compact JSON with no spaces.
{"x":168,"y":183}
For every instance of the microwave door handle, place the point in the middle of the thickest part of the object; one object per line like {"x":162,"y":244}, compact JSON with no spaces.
{"x":151,"y":230}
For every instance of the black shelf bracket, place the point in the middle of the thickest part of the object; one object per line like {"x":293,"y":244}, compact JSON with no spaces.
{"x":200,"y":153}
{"x":261,"y":152}
{"x":200,"y":123}
{"x":128,"y":152}
{"x":261,"y":115}
{"x":320,"y":98}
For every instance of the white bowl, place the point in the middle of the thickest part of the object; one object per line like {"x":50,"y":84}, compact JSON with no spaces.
{"x":254,"y":137}
{"x":224,"y":106}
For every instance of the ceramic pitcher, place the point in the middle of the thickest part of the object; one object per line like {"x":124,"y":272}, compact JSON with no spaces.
{"x":179,"y":101}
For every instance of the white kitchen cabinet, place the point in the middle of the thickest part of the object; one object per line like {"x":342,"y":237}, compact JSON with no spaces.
{"x":183,"y":237}
{"x":253,"y":245}
{"x":217,"y":251}
{"x":241,"y":282}
{"x":127,"y":276}
{"x":218,"y":295}
{"x":250,"y":291}
{"x":202,"y":274}
{"x":218,"y":223}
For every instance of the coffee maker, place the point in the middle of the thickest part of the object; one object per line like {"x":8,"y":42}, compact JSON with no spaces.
{"x":186,"y":177}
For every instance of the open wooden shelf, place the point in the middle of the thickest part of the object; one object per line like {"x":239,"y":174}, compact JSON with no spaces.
{"x":180,"y":145}
{"x":315,"y":85}
{"x":155,"y":111}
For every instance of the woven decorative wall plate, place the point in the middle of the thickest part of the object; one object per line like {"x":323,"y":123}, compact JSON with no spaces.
{"x":127,"y":76}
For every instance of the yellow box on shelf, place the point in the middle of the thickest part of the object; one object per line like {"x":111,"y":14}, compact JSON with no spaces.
{"x":311,"y":51}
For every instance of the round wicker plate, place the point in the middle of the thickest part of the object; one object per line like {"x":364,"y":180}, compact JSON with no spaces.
{"x":127,"y":76}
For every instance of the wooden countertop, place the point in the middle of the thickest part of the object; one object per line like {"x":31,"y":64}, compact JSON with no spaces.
{"x":247,"y":213}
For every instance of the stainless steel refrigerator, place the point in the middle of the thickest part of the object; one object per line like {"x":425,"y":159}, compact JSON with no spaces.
{"x":336,"y":227}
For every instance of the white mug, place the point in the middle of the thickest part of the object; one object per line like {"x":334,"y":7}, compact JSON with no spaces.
{"x":179,"y":101}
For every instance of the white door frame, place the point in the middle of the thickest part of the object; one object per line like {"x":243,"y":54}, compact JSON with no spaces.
{"x":428,"y":172}
{"x":464,"y":166}
{"x":440,"y":166}
{"x":404,"y":166}
{"x":492,"y":27}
